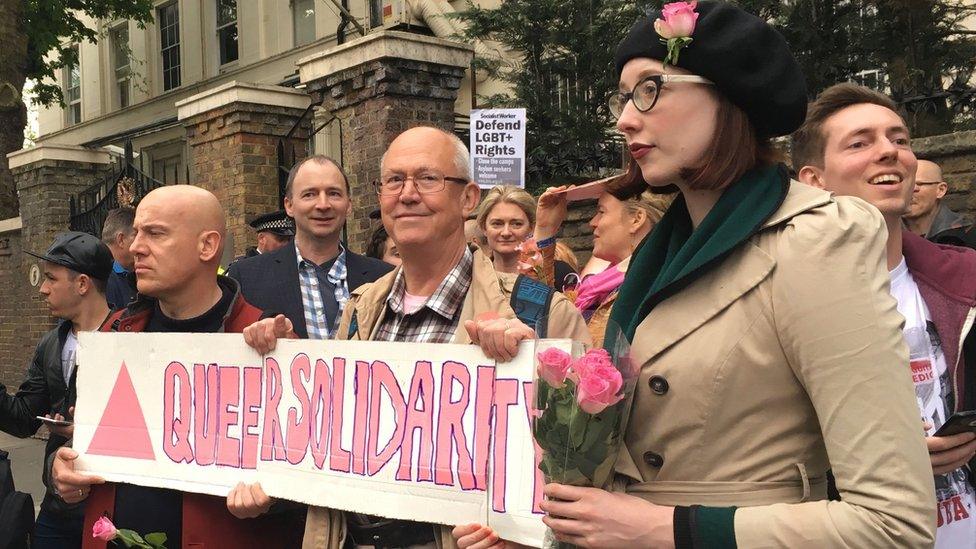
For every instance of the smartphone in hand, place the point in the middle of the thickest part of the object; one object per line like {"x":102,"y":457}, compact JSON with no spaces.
{"x":58,"y":422}
{"x":960,"y":422}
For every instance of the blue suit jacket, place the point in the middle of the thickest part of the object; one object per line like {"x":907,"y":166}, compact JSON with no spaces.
{"x":270,"y":281}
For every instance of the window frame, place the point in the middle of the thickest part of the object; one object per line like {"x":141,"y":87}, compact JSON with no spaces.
{"x":72,"y":107}
{"x":232,"y":25}
{"x":295,"y":22}
{"x":172,"y":76}
{"x":119,"y":99}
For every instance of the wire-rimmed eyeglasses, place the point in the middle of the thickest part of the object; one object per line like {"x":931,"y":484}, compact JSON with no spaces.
{"x":645,"y":93}
{"x":425,"y":183}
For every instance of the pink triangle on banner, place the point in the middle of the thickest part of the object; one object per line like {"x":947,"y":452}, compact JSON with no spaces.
{"x":122,"y":431}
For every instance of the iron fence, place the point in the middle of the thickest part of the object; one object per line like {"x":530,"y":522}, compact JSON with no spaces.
{"x":125,"y":185}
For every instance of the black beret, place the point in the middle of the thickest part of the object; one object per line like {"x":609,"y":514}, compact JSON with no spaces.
{"x":275,"y":222}
{"x":747,"y":59}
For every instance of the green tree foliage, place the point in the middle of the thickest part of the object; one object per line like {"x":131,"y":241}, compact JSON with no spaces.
{"x":563,"y":70}
{"x":52,"y":26}
{"x":922,"y":53}
{"x":562,"y":53}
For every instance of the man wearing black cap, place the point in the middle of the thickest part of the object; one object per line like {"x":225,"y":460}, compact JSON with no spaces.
{"x":274,"y":230}
{"x":75,"y":268}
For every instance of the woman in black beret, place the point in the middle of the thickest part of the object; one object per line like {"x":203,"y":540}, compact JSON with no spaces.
{"x":758,"y":311}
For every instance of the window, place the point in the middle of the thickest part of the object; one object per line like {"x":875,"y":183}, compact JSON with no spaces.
{"x":874,"y":79}
{"x":375,"y":13}
{"x":227,"y":30}
{"x":72,"y":90}
{"x":166,"y":170}
{"x":303,"y":19}
{"x":119,"y":39}
{"x":169,"y":44}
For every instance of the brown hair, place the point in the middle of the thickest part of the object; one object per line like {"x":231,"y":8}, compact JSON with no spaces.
{"x":654,"y":205}
{"x":318,"y":159}
{"x":809,"y":141}
{"x":735,"y":149}
{"x":118,"y":221}
{"x":566,"y":254}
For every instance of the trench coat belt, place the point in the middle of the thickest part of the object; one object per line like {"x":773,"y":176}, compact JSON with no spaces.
{"x":725,"y":494}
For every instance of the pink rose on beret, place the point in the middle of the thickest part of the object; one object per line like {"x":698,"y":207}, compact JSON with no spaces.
{"x":104,"y":530}
{"x":678,"y":20}
{"x":554,"y":366}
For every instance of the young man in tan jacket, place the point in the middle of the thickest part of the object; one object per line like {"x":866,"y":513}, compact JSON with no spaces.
{"x":443,"y":293}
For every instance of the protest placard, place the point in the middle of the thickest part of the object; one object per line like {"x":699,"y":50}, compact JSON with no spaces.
{"x":432,"y":433}
{"x":498,"y":147}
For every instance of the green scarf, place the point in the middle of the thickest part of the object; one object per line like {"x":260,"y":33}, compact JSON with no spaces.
{"x":675,"y":254}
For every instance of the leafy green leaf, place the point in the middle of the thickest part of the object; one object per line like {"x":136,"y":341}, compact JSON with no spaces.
{"x":156,"y":539}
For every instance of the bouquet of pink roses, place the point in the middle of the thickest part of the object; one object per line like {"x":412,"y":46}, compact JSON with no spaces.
{"x":580,"y":412}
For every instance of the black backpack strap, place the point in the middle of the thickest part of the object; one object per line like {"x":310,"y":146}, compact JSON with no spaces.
{"x":530,"y":301}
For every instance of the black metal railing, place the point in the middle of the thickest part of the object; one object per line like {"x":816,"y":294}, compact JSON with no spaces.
{"x":288,"y":149}
{"x":125,"y":185}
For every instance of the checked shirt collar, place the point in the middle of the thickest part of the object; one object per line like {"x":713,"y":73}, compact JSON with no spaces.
{"x":437,"y":320}
{"x":316,"y":321}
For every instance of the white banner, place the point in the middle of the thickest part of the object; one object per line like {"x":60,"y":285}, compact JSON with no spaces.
{"x":498,"y":147}
{"x":431,"y":433}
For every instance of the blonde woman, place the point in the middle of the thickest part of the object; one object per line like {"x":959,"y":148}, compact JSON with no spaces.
{"x":621,"y":222}
{"x":507,"y":218}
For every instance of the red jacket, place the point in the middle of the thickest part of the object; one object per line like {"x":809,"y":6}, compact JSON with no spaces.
{"x":207,"y":524}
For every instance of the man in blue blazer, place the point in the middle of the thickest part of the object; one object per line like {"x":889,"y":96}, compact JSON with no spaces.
{"x":310,"y":280}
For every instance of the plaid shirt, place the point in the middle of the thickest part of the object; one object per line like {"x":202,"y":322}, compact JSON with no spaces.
{"x":315,"y":318}
{"x":437,"y":320}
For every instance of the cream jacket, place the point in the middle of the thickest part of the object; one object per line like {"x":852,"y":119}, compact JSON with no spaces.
{"x":784,"y":361}
{"x":490,"y":291}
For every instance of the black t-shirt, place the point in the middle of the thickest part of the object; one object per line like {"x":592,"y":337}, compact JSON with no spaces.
{"x":562,"y":270}
{"x":145,"y":509}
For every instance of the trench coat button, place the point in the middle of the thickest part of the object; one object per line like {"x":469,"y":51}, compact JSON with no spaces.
{"x":654,"y":460}
{"x":658,"y":384}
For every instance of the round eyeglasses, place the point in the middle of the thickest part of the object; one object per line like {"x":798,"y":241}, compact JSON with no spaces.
{"x":645,"y":93}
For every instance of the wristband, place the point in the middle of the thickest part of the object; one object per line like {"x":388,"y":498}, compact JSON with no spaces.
{"x":546,"y":242}
{"x":683,"y":537}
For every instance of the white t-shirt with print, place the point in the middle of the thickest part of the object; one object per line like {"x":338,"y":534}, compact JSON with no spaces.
{"x":933,"y":390}
{"x":68,"y":356}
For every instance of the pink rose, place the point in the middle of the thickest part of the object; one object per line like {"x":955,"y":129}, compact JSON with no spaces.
{"x":679,"y":20}
{"x":598,"y":388}
{"x":104,"y":530}
{"x":554,"y":366}
{"x":591,"y":360}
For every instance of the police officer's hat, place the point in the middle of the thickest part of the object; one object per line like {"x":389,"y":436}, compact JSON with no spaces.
{"x":275,"y":222}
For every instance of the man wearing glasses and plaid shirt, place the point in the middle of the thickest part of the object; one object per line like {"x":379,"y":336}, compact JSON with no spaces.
{"x":443,"y":293}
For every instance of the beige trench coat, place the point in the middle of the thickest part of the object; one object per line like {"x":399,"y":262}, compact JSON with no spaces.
{"x":788,"y":353}
{"x":490,"y":291}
